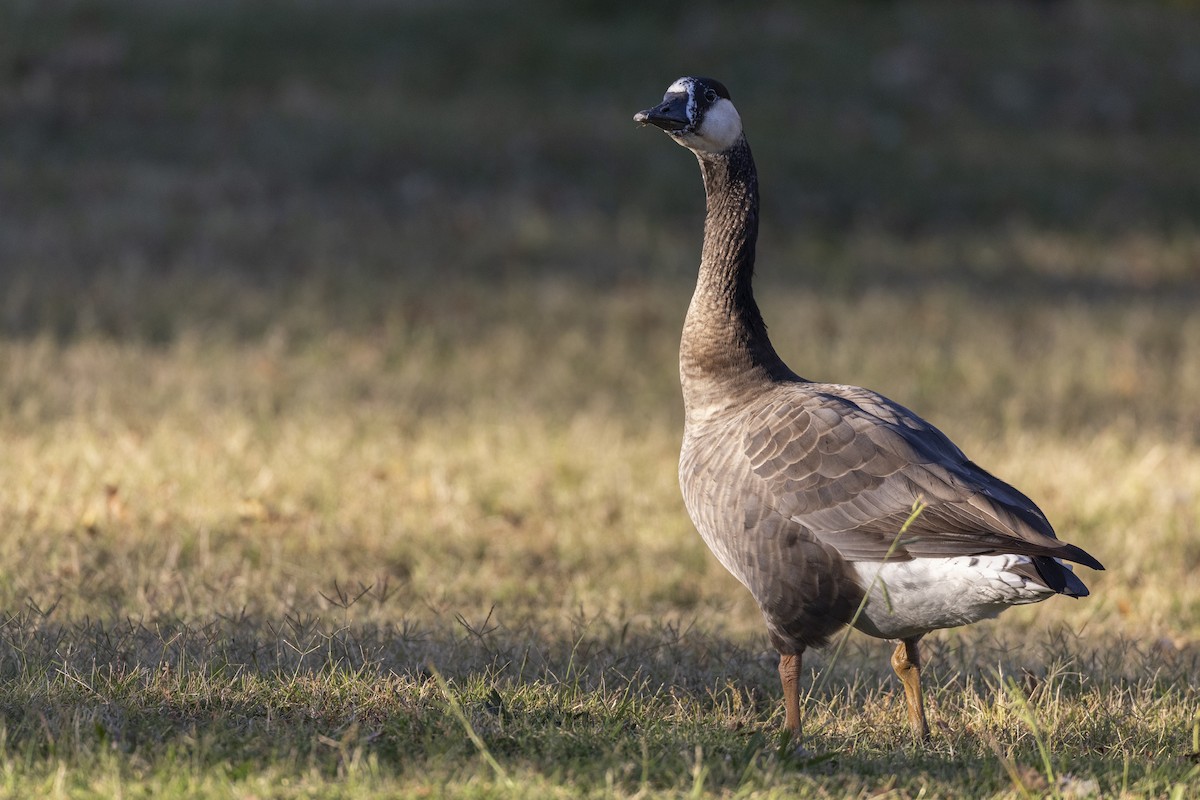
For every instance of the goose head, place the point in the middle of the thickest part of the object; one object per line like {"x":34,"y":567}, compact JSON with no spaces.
{"x":696,"y":113}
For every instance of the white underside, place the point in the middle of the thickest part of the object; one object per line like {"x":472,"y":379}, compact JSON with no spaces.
{"x":909,"y":598}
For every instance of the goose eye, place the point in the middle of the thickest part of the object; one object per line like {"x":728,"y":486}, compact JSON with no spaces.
{"x":710,"y":95}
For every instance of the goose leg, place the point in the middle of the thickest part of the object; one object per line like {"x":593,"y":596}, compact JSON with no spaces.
{"x":906,"y":661}
{"x":789,"y":676}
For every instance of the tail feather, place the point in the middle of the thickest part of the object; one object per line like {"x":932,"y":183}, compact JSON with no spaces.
{"x":1059,"y":577}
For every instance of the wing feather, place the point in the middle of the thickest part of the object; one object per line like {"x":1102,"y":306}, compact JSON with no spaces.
{"x":849,"y":465}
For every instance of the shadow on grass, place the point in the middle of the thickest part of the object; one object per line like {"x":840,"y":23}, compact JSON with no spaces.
{"x":607,"y":700}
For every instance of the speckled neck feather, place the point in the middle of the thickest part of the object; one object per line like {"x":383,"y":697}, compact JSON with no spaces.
{"x":725,"y":347}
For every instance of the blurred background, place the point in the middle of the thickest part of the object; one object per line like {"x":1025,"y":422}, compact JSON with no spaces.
{"x":153,"y":151}
{"x":276,"y":274}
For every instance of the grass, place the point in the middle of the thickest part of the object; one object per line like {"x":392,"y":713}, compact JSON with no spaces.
{"x":340,"y":415}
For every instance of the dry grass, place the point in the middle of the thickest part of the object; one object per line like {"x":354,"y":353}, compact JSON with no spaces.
{"x":304,"y":404}
{"x":245,"y":559}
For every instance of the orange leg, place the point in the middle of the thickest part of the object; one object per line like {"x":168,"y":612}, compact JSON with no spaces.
{"x":789,"y":676}
{"x":906,"y":661}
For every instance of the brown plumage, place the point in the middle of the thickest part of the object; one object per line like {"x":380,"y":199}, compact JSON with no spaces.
{"x":801,"y":489}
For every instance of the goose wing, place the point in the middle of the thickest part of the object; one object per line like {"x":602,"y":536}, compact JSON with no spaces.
{"x":849,"y":464}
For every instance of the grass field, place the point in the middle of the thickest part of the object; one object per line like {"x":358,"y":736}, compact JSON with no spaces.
{"x":339,"y":409}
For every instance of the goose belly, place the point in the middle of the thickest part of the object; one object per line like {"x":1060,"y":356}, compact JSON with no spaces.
{"x":909,"y":598}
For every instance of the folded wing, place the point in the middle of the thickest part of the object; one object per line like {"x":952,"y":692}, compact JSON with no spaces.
{"x":849,"y":465}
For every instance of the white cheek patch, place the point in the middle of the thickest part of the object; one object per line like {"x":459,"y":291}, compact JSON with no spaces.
{"x":722,"y":127}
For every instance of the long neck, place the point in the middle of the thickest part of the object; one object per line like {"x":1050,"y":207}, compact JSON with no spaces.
{"x":725,"y":345}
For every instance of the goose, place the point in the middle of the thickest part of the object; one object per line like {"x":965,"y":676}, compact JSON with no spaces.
{"x":831,"y":504}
